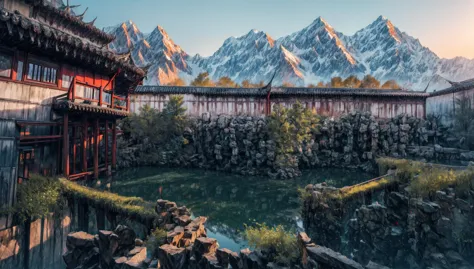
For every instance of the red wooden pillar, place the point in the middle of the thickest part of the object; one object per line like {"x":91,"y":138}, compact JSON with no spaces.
{"x":114,"y":145}
{"x":96,"y":148}
{"x":84,"y":144}
{"x":106,"y":141}
{"x":66,"y":144}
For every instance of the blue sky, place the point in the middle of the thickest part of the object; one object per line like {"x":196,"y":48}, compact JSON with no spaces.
{"x":201,"y":26}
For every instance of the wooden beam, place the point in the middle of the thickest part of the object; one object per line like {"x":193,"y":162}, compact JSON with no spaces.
{"x":84,"y":144}
{"x":74,"y":149}
{"x":106,"y":141}
{"x":66,"y":144}
{"x":114,"y":145}
{"x":96,"y":148}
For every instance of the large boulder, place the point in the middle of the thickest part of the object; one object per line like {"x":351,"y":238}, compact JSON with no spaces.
{"x":172,"y":257}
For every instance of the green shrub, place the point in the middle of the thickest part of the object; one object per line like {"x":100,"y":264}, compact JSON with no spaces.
{"x":275,"y":240}
{"x":155,"y":240}
{"x":290,"y":128}
{"x":36,"y":197}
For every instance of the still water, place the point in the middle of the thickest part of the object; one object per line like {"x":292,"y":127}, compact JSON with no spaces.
{"x":229,"y":201}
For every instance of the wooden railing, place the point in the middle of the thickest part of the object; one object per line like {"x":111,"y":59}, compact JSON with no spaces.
{"x":93,"y":95}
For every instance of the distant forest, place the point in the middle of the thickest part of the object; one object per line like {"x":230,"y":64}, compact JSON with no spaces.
{"x":203,"y":80}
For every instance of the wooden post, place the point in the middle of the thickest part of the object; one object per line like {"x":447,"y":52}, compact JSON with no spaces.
{"x":128,"y":103}
{"x":84,"y":144}
{"x":96,"y":148}
{"x":106,"y":141}
{"x":66,"y":144}
{"x":100,"y":95}
{"x":114,"y":145}
{"x":74,"y":149}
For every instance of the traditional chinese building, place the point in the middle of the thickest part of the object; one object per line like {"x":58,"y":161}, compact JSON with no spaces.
{"x":61,"y":93}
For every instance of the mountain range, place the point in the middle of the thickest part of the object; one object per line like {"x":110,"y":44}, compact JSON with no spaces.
{"x":316,"y":53}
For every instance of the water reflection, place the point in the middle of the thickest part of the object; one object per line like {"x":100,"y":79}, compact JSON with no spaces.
{"x":230,"y":201}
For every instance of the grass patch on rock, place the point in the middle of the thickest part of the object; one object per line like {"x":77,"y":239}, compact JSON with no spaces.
{"x":128,"y":206}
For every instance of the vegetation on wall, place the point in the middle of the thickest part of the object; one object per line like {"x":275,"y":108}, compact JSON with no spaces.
{"x":425,"y":179}
{"x":290,"y":128}
{"x":36,"y":198}
{"x":274,"y":240}
{"x":127,"y":206}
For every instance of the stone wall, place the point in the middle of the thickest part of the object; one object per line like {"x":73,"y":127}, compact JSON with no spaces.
{"x":390,"y":227}
{"x":36,"y":245}
{"x":242,"y":145}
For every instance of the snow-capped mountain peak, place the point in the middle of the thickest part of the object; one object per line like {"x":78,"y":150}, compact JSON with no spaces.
{"x":316,"y":53}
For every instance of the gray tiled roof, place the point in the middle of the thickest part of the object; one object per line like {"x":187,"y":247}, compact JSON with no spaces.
{"x":459,"y":86}
{"x":276,"y":91}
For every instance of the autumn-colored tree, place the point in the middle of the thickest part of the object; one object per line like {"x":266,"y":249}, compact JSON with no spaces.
{"x":287,"y":85}
{"x":336,"y":82}
{"x":246,"y":84}
{"x":259,"y":85}
{"x":352,"y":82}
{"x":202,"y":80}
{"x":226,"y":82}
{"x":311,"y":85}
{"x":369,"y":82}
{"x":177,"y":82}
{"x":321,"y":84}
{"x":391,"y":84}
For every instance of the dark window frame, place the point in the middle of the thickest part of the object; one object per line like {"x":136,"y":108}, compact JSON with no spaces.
{"x":43,"y":72}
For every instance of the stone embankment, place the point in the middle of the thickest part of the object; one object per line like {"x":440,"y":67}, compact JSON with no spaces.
{"x":392,"y":227}
{"x":243,"y":145}
{"x":186,"y":246}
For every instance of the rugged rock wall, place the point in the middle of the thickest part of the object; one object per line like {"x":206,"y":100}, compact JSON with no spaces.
{"x":243,"y":145}
{"x":414,"y":233}
{"x":398,"y":230}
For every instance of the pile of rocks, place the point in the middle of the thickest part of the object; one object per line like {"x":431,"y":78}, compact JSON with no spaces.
{"x":117,"y":249}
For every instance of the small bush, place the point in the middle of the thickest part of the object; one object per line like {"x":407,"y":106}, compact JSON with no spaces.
{"x":155,"y":240}
{"x":303,"y":195}
{"x":36,"y":198}
{"x":431,"y":181}
{"x":274,"y":240}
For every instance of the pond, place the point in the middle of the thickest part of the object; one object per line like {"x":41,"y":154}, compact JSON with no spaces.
{"x":229,"y":201}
